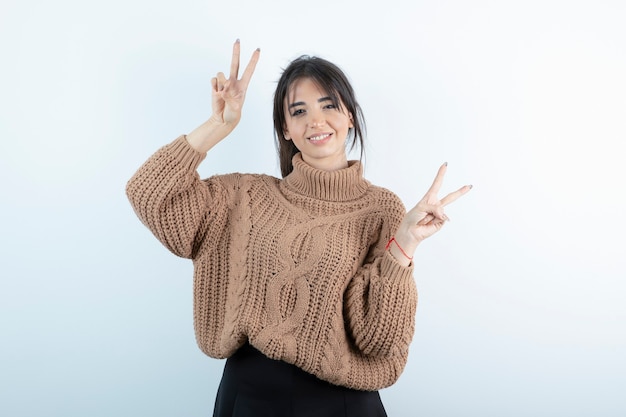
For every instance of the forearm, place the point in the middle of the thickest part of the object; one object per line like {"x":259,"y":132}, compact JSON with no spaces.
{"x":168,"y":196}
{"x":380,"y":307}
{"x":208,"y":134}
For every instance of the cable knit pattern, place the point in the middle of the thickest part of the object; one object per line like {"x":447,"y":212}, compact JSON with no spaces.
{"x":297,"y":266}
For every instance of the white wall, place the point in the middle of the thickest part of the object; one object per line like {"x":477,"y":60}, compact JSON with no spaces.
{"x":521,"y":296}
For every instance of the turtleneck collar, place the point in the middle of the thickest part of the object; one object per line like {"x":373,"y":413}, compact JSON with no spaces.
{"x":341,"y":185}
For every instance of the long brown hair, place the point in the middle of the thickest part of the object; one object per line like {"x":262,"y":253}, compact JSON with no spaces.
{"x":329,"y":78}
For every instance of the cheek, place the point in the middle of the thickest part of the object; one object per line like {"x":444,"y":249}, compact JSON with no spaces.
{"x":288,"y":126}
{"x":294,"y":127}
{"x":342,"y":121}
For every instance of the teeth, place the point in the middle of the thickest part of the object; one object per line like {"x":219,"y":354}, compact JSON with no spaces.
{"x":320,"y":137}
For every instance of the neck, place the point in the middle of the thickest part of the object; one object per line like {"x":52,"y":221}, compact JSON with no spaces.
{"x":343,"y":184}
{"x":326,"y":164}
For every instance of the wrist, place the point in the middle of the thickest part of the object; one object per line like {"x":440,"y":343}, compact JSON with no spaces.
{"x":402,"y":253}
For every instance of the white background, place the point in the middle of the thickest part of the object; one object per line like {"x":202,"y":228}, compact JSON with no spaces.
{"x":521,"y":295}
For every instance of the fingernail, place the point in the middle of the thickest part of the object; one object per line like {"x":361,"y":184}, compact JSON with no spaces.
{"x":237,"y":41}
{"x":470,"y":186}
{"x":445,"y":164}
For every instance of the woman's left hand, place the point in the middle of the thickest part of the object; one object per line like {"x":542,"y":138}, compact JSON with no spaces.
{"x":425,"y":219}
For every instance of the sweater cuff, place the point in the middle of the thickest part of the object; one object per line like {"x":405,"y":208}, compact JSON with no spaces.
{"x":390,"y":267}
{"x":182,"y":151}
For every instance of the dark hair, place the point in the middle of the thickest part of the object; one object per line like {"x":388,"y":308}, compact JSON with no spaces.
{"x":330,"y":79}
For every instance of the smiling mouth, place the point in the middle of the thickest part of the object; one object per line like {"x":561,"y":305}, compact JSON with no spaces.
{"x":319,"y":137}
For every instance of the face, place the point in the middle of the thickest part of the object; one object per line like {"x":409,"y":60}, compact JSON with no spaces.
{"x":316,"y":126}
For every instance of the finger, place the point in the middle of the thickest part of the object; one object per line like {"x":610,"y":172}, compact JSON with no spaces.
{"x":430,"y":220}
{"x":426,"y":220}
{"x":247,"y":74}
{"x":234,"y":63}
{"x":454,"y":195}
{"x":214,"y":84}
{"x":437,"y":212}
{"x":434,"y":189}
{"x":431,"y":212}
{"x":221,"y":80}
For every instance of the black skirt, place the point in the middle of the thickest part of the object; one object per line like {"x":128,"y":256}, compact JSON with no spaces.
{"x":254,"y":385}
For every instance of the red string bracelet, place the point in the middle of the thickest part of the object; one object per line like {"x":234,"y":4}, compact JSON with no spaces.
{"x":393,"y":239}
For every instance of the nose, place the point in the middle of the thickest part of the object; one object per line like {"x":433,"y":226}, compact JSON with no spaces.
{"x":316,"y":118}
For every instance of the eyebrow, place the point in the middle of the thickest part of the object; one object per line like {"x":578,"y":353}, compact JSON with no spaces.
{"x":302,"y":103}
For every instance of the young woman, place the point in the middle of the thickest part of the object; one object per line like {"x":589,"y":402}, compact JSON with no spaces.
{"x":304,"y":283}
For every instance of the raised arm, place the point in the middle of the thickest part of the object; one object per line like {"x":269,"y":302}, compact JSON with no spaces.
{"x":227,"y":98}
{"x":166,"y":192}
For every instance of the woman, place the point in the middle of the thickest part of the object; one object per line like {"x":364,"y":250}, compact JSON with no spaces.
{"x":304,"y":283}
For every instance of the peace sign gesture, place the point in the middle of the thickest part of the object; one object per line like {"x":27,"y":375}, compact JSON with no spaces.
{"x":425,"y":219}
{"x":228,"y":94}
{"x":227,"y":98}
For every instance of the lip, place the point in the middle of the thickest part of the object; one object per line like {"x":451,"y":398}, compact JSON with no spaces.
{"x":323,"y":137}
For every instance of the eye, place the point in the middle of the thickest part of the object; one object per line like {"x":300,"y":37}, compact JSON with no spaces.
{"x":330,"y":106}
{"x":297,"y":112}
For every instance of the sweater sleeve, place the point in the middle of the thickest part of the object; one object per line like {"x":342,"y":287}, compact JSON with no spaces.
{"x":169,"y":198}
{"x":380,"y":304}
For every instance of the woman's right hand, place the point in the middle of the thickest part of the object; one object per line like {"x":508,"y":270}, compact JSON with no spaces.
{"x":228,"y":94}
{"x":227,"y":98}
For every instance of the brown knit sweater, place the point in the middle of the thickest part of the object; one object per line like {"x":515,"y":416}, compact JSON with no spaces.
{"x":297,"y":266}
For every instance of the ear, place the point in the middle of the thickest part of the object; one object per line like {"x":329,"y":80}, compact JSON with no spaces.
{"x":351,"y":121}
{"x":286,"y":135}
